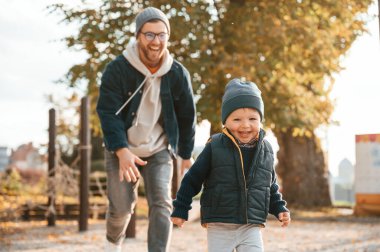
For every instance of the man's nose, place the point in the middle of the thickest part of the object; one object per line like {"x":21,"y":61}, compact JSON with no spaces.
{"x":156,"y":40}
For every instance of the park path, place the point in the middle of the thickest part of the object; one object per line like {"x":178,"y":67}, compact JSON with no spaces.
{"x":305,"y":234}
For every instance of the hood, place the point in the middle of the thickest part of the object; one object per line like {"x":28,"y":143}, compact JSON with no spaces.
{"x":132,"y":55}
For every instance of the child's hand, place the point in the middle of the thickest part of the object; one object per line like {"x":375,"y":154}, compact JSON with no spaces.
{"x":178,"y":221}
{"x":284,"y":217}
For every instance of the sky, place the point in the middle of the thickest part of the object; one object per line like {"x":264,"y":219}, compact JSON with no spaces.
{"x":357,"y":94}
{"x":32,"y":58}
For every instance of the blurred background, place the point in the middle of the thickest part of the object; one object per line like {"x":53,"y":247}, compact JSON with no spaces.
{"x":316,"y":62}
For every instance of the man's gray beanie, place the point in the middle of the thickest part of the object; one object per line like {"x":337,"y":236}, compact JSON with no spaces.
{"x":149,"y":14}
{"x":241,"y":94}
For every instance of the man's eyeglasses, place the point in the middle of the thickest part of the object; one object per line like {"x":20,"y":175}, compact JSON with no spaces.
{"x":150,"y":36}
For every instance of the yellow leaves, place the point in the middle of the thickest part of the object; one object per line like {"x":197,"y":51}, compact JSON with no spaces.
{"x":286,"y":17}
{"x":297,"y":132}
{"x":52,"y":237}
{"x":68,"y":232}
{"x":286,"y":46}
{"x":276,"y":22}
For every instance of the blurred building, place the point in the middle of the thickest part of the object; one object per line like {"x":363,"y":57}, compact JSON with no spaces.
{"x":343,"y":183}
{"x":26,"y":156}
{"x":4,"y":158}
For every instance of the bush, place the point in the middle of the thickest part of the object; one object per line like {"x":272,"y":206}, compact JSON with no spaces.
{"x":11,"y":183}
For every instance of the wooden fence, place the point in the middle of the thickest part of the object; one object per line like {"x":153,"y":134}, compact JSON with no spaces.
{"x":62,"y":212}
{"x":83,"y":210}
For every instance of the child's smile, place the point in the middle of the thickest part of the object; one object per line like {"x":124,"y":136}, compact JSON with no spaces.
{"x":244,"y":124}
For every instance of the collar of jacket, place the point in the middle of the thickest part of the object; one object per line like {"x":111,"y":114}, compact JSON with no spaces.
{"x":225,"y":131}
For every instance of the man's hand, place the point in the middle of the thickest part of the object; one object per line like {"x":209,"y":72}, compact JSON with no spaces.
{"x":186,"y":164}
{"x":127,"y":165}
{"x":284,"y":217}
{"x":178,"y":221}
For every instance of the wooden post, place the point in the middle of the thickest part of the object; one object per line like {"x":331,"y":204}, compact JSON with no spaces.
{"x":51,"y":166}
{"x":85,"y":161}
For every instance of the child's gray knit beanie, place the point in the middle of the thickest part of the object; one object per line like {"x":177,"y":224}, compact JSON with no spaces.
{"x":241,"y":94}
{"x":149,"y":14}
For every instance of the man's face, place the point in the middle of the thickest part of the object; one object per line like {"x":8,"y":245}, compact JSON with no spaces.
{"x":151,"y":52}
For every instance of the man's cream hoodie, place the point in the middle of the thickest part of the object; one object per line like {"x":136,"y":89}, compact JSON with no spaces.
{"x":146,"y":135}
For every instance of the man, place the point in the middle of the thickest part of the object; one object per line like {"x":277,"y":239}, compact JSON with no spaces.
{"x":147,"y":113}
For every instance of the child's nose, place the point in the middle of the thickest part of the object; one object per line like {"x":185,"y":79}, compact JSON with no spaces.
{"x":245,"y":123}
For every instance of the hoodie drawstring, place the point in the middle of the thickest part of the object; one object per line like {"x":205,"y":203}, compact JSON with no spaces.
{"x":130,"y":98}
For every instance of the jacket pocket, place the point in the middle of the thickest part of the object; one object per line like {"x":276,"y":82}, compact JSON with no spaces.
{"x":225,"y":202}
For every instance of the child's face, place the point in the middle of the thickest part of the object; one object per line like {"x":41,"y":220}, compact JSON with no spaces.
{"x":244,"y":124}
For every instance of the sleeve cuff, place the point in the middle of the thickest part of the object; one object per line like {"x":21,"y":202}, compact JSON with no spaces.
{"x":180,"y":213}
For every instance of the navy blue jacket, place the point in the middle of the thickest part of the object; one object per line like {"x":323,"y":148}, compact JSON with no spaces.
{"x":231,"y":193}
{"x":118,"y":83}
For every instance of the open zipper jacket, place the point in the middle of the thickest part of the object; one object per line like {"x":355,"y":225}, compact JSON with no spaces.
{"x":229,"y":195}
{"x":122,"y":93}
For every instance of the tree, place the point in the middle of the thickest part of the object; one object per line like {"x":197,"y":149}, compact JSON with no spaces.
{"x":290,"y":49}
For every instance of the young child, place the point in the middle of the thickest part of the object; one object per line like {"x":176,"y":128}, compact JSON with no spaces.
{"x":236,"y":170}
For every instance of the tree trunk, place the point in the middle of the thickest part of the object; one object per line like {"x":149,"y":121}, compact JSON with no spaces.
{"x":302,"y":170}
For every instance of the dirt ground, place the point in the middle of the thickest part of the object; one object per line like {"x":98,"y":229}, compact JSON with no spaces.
{"x":309,"y":231}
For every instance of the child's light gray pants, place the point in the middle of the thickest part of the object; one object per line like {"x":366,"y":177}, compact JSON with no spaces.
{"x":122,"y":196}
{"x":225,"y":237}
